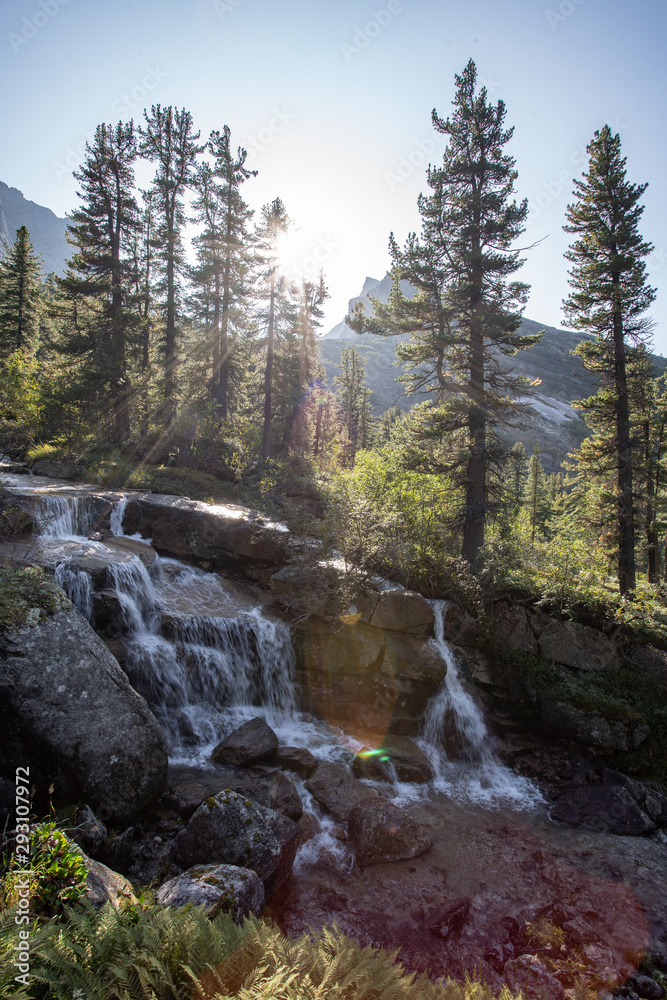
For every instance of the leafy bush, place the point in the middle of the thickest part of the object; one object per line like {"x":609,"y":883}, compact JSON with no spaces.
{"x":27,"y":594}
{"x":57,"y":873}
{"x":159,"y":953}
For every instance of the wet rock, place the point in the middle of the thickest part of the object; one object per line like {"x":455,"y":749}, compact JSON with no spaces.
{"x":310,"y":827}
{"x":133,"y":546}
{"x":108,"y":619}
{"x":230,"y":829}
{"x":251,"y":742}
{"x":371,"y":765}
{"x":380,"y":831}
{"x":403,"y":611}
{"x":88,"y":832}
{"x":460,"y":627}
{"x":604,"y":809}
{"x":276,"y":791}
{"x":68,"y":711}
{"x":527,"y":975}
{"x":189,"y":795}
{"x":220,"y":888}
{"x":410,"y":762}
{"x":296,"y":759}
{"x":338,"y":791}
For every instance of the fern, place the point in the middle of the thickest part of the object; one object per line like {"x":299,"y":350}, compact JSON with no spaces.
{"x":158,"y":953}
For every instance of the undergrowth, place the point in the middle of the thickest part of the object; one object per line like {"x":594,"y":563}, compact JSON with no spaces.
{"x":155,"y":953}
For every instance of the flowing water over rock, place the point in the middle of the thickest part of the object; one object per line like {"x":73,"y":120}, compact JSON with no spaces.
{"x":207,"y":657}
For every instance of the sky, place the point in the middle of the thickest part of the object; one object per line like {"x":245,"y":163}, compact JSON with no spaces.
{"x":332,"y":100}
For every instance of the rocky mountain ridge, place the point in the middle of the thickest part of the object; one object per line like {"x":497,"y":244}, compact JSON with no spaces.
{"x":47,"y":230}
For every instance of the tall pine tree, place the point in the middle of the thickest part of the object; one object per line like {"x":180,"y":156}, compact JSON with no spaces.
{"x":609,"y":298}
{"x":466,"y":312}
{"x":20,"y":295}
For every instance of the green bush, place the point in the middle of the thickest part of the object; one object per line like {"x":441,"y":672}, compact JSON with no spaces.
{"x":57,"y":872}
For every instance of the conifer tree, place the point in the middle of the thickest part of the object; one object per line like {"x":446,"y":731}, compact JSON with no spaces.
{"x":101,"y":269}
{"x":274,"y":222}
{"x":466,"y":311}
{"x":354,"y":397}
{"x":609,"y":298}
{"x":516,"y":473}
{"x":169,"y":140}
{"x":20,"y":296}
{"x":535,"y":494}
{"x":224,"y":252}
{"x":300,"y":354}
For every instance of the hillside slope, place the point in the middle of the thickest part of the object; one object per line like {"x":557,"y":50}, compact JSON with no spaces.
{"x":47,"y":230}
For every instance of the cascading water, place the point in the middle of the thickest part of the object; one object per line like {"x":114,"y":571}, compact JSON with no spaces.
{"x":206,"y":664}
{"x":453,"y":717}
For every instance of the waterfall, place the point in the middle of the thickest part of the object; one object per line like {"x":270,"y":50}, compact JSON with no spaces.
{"x":78,"y":586}
{"x":117,"y":515}
{"x":453,"y":717}
{"x":63,"y":517}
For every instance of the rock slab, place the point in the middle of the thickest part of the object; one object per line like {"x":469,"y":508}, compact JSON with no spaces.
{"x":68,"y":711}
{"x":338,"y":791}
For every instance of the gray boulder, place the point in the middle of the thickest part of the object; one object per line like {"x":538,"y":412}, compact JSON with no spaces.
{"x":604,"y":809}
{"x":230,"y":829}
{"x":276,"y":791}
{"x":403,"y":611}
{"x":297,"y":759}
{"x":251,"y":742}
{"x":68,"y":711}
{"x":220,"y":888}
{"x":106,"y":886}
{"x":410,"y":761}
{"x":380,"y":831}
{"x":338,"y":791}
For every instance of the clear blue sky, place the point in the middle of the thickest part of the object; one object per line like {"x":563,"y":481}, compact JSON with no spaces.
{"x":333,"y":98}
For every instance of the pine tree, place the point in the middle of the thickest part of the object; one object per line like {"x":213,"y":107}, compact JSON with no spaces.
{"x":274,"y":222}
{"x":516,"y":473}
{"x":224,"y":252}
{"x":101,"y":269}
{"x":466,"y":311}
{"x":169,"y":140}
{"x":20,"y":296}
{"x":354,"y":397}
{"x":609,"y":298}
{"x":535,"y":495}
{"x":300,"y":354}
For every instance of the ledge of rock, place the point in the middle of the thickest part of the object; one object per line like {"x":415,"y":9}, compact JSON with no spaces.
{"x":403,"y":611}
{"x":590,"y":729}
{"x":68,"y":711}
{"x":213,"y":536}
{"x":338,"y":791}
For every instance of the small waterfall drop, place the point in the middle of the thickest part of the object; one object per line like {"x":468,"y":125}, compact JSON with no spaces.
{"x":78,"y":586}
{"x":454,"y":717}
{"x":117,"y":515}
{"x":63,"y":517}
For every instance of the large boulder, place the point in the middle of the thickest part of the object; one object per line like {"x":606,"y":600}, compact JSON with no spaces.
{"x":213,"y":536}
{"x":579,"y":647}
{"x":106,"y":886}
{"x":251,"y":742}
{"x":604,"y":809}
{"x":380,"y":831}
{"x":409,"y":760}
{"x":220,"y":888}
{"x":403,"y":611}
{"x":230,"y":829}
{"x":338,"y":791}
{"x":277,"y":791}
{"x":589,"y":728}
{"x":297,"y":759}
{"x":68,"y":711}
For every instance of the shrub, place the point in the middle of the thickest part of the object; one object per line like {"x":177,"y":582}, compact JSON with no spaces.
{"x":57,"y":873}
{"x":27,"y":594}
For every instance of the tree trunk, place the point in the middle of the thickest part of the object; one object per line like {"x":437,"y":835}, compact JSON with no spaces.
{"x":475,"y":510}
{"x":268,"y":375}
{"x":625,"y":505}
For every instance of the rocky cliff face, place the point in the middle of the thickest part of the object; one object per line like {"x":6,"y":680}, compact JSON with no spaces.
{"x":47,"y":231}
